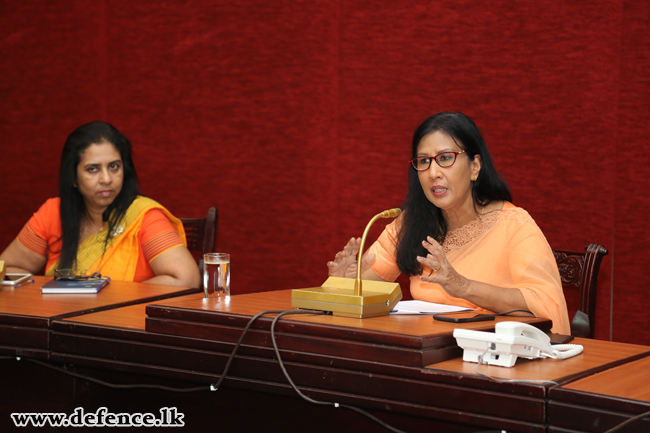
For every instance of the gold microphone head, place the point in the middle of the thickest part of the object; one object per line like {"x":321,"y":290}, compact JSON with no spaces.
{"x":391,"y":213}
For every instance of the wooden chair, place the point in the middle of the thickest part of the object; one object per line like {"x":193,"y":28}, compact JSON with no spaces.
{"x":580,"y":271}
{"x":201,"y":234}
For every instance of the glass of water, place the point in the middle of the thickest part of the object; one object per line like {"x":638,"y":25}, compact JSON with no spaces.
{"x":216,"y":274}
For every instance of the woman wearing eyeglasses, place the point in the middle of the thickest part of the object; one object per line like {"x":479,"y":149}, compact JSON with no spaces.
{"x":459,"y":238}
{"x":100,"y":222}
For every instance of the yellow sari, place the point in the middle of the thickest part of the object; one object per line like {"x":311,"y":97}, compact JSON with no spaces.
{"x":120,"y":259}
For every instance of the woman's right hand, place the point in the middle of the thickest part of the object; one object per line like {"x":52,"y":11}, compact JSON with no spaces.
{"x":345,"y":262}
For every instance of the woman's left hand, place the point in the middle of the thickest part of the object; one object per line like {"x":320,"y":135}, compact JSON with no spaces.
{"x":443,"y":273}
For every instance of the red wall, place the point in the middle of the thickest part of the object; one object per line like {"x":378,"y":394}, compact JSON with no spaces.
{"x":294,"y":118}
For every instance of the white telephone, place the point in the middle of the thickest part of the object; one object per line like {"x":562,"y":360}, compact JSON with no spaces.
{"x":510,"y":340}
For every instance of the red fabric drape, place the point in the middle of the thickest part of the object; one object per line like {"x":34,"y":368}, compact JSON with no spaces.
{"x":294,"y":118}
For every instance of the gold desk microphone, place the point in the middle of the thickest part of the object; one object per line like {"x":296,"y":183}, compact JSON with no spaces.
{"x":352,"y":297}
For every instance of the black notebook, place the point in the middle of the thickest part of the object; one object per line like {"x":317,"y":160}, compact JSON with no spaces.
{"x":65,"y":286}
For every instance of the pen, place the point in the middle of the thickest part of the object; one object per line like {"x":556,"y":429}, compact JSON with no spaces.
{"x":23,"y":283}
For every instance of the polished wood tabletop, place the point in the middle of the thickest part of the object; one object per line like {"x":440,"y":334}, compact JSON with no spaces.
{"x":628,"y":381}
{"x":27,"y":301}
{"x":26,"y":314}
{"x":602,"y":401}
{"x":248,"y":305}
{"x":408,"y":339}
{"x":129,"y":317}
{"x":413,"y":340}
{"x":596,"y":354}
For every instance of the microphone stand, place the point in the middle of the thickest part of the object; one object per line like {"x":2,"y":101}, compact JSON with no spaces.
{"x":345,"y":296}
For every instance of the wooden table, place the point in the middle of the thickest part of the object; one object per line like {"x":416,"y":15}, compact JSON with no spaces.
{"x":408,"y":340}
{"x":377,"y":364}
{"x":530,"y":399}
{"x":403,"y":369}
{"x":26,"y":314}
{"x":601,"y":401}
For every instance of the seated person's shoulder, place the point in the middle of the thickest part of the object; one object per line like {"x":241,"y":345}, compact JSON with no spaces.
{"x":158,"y":234}
{"x":47,"y":220}
{"x":516,"y":214}
{"x":51,"y":205}
{"x":496,"y":205}
{"x":155,"y":215}
{"x":520,"y":226}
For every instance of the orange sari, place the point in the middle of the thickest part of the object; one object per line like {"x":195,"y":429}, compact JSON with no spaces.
{"x":504,"y":248}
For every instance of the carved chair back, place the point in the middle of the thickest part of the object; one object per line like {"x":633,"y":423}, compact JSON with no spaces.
{"x":580,"y":271}
{"x":201,"y":234}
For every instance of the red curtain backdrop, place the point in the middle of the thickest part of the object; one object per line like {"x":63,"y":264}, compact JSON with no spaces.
{"x":295,"y":117}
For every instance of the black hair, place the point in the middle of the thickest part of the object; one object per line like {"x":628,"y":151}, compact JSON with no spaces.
{"x":73,"y":206}
{"x":420,"y":217}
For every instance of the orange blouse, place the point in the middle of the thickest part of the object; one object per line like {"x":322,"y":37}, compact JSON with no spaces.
{"x":504,"y":248}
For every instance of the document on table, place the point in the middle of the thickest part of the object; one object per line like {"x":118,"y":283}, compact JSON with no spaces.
{"x":421,"y":307}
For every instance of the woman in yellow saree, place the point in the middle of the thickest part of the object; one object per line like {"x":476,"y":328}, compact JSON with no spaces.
{"x":100,"y":222}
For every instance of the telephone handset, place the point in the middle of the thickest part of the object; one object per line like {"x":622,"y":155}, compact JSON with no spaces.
{"x":509,"y":341}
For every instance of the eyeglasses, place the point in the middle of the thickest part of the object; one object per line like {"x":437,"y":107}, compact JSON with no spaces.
{"x":71,"y":275}
{"x":443,"y":159}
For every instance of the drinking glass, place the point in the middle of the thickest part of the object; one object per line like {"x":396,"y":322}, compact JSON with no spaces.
{"x":216,"y":274}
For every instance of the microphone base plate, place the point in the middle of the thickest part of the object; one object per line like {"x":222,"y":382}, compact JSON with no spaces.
{"x":336,"y":295}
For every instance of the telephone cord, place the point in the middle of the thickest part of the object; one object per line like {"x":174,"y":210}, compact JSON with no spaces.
{"x":564,"y":351}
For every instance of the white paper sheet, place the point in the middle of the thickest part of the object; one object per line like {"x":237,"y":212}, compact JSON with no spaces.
{"x":421,"y":307}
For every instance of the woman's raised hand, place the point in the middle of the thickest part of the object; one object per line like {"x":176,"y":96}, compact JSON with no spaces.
{"x":345,"y":262}
{"x":441,"y":270}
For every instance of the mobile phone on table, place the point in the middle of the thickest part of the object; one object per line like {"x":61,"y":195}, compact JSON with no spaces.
{"x":13,"y":279}
{"x":463,"y":317}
